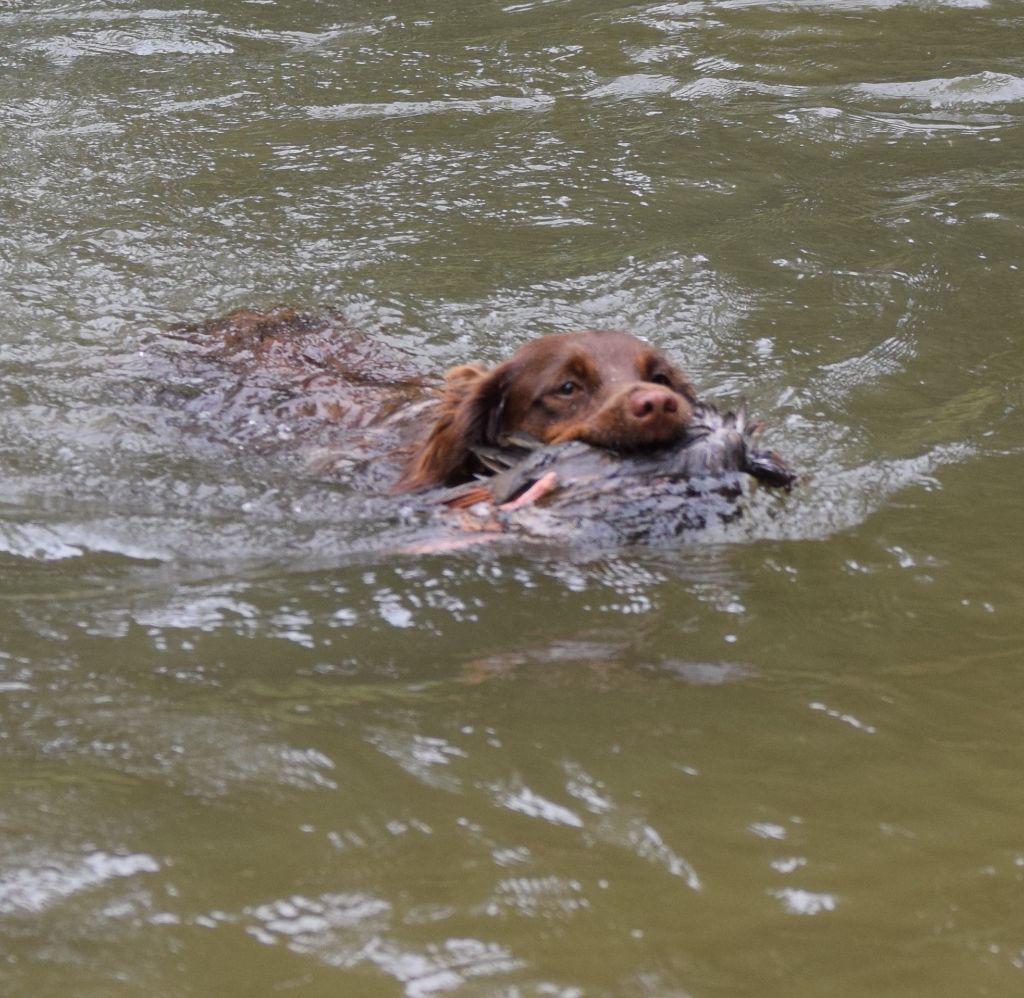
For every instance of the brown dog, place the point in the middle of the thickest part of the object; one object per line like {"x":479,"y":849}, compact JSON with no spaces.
{"x":605,"y":388}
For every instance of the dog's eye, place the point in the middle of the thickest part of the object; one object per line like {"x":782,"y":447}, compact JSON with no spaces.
{"x":567,"y":388}
{"x":661,"y":379}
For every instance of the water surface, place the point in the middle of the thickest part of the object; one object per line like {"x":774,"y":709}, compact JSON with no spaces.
{"x":249,"y":750}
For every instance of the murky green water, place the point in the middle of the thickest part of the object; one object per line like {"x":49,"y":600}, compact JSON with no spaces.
{"x":241,"y":756}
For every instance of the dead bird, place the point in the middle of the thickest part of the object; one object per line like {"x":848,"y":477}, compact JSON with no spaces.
{"x":634,"y":497}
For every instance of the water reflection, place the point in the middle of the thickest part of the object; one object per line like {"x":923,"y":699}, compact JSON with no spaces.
{"x":40,"y":882}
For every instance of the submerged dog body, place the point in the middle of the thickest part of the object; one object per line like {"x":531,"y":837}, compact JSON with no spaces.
{"x":604,"y":388}
{"x":620,"y":445}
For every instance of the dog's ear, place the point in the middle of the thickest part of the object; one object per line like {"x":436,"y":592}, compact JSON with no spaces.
{"x":472,"y":404}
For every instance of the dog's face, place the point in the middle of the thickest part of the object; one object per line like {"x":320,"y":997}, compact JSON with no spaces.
{"x":605,"y":388}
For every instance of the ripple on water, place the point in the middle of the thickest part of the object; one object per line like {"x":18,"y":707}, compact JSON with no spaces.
{"x":407,"y":109}
{"x":347,"y":930}
{"x":797,"y":901}
{"x":983,"y":88}
{"x":854,"y":5}
{"x":36,"y":882}
{"x":204,"y":756}
{"x":155,"y":41}
{"x":633,"y":86}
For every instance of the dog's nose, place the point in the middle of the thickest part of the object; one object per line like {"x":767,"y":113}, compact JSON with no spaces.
{"x":651,"y":403}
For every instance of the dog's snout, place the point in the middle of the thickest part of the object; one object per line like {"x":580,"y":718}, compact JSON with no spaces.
{"x":653,"y":403}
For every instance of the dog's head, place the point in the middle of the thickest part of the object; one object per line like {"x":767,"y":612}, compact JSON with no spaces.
{"x":606,"y":388}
